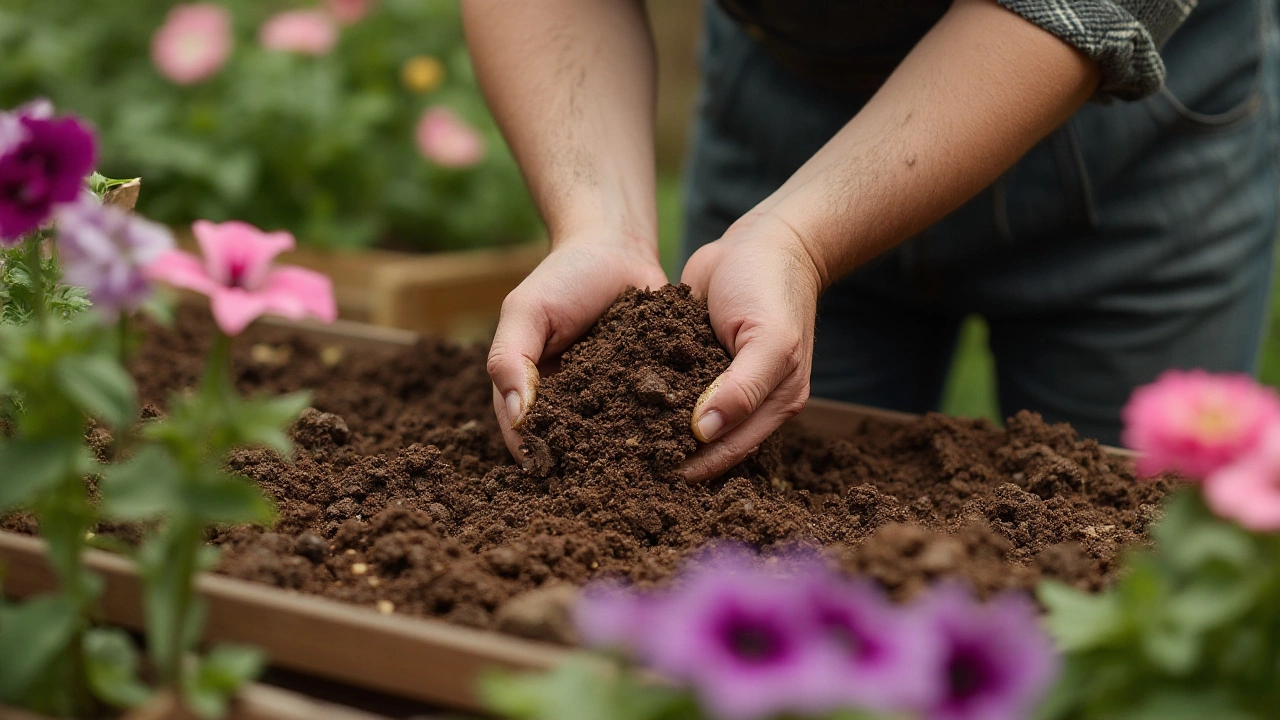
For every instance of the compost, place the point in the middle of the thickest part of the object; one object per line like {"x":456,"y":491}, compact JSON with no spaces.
{"x":402,"y":495}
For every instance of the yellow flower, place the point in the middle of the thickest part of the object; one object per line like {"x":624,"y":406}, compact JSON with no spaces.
{"x":422,"y":74}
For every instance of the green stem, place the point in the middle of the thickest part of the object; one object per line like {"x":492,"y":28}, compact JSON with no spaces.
{"x":35,"y":269}
{"x":186,"y":547}
{"x":218,"y":384}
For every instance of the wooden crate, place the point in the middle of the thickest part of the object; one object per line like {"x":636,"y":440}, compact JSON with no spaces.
{"x":417,"y":658}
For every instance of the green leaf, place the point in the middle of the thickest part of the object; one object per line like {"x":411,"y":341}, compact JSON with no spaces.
{"x":228,"y":499}
{"x":31,"y":467}
{"x":33,"y":636}
{"x":144,"y":487}
{"x":111,"y":664}
{"x":99,"y":386}
{"x":1173,"y":648}
{"x":1202,"y":703}
{"x":582,"y":688}
{"x":1213,"y":600}
{"x":262,"y":421}
{"x":1079,"y":620}
{"x":210,"y":685}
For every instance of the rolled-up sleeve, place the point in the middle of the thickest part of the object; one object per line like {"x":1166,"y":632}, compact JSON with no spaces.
{"x":1123,"y":36}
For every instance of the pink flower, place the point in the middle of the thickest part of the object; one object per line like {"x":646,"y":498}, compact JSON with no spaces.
{"x":307,"y":32}
{"x":193,"y":44}
{"x":1248,"y":491}
{"x":238,"y":276}
{"x":1194,"y":422}
{"x":446,"y":139}
{"x":348,"y":12}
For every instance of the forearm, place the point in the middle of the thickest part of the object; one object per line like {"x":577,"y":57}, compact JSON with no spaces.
{"x":974,"y":95}
{"x":572,"y":85}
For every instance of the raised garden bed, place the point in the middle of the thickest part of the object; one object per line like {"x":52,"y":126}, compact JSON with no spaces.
{"x":402,"y":503}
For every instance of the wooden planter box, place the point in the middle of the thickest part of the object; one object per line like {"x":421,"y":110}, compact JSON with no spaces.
{"x":417,"y":658}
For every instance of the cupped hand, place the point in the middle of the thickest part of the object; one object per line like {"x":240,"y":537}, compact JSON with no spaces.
{"x":554,"y":306}
{"x":762,"y":289}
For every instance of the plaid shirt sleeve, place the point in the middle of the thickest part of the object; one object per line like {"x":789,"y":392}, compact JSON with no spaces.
{"x":1123,"y":36}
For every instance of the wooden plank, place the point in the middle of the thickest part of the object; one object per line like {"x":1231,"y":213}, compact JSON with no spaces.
{"x":428,"y":660}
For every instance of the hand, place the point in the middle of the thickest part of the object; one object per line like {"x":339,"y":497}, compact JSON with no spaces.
{"x":553,"y":307}
{"x":762,"y":288}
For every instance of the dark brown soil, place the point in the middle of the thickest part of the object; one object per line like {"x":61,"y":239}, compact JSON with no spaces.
{"x":621,"y":404}
{"x":402,"y":496}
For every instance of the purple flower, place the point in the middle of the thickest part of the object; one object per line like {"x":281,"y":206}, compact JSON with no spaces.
{"x":43,"y":162}
{"x":739,"y":633}
{"x":996,"y":662}
{"x":611,"y":615}
{"x":880,"y":655}
{"x":104,"y":249}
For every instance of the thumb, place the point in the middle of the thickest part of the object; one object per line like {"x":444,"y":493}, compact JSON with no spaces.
{"x":763,"y":362}
{"x":517,"y":345}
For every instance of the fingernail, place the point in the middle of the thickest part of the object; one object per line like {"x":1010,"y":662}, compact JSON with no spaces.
{"x":709,"y":425}
{"x":515,"y":409}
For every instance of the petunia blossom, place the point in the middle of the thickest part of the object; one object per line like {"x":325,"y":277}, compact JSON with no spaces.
{"x":879,"y":654}
{"x":737,"y":633}
{"x":105,"y":250}
{"x":447,"y":140}
{"x":610,"y":615}
{"x":1248,"y":490}
{"x":995,"y":661}
{"x":1193,"y":422}
{"x":238,"y":275}
{"x":45,"y":163}
{"x":306,"y":32}
{"x":349,"y":12}
{"x":193,"y":44}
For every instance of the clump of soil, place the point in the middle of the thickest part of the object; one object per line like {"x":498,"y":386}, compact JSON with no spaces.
{"x":621,"y":404}
{"x":402,"y":497}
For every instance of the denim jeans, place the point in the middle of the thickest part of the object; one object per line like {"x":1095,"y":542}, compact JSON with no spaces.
{"x":1135,"y":238}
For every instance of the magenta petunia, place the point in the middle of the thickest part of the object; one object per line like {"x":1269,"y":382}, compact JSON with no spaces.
{"x":995,"y":662}
{"x":1193,"y":422}
{"x":105,"y":250}
{"x":879,"y":654}
{"x":738,"y":633}
{"x":612,"y":616}
{"x":240,"y":278}
{"x":46,"y":162}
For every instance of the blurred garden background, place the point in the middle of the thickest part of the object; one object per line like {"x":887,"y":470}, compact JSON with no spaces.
{"x":352,"y":123}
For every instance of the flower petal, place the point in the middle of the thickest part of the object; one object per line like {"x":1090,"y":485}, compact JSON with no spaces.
{"x":235,"y":308}
{"x":182,"y":270}
{"x":296,"y":293}
{"x":239,"y":252}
